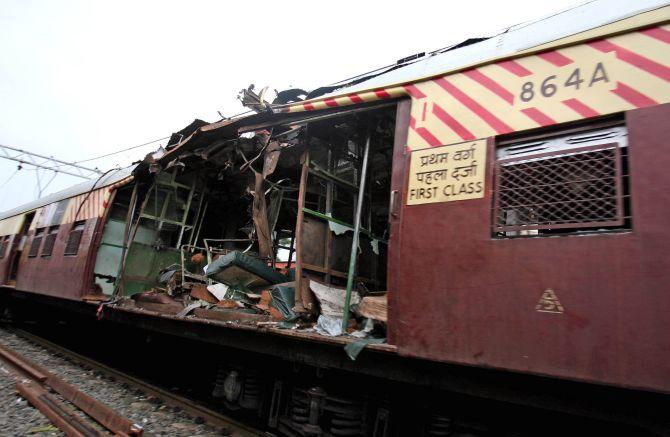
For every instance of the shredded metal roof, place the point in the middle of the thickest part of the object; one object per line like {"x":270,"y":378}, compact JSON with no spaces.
{"x":518,"y":38}
{"x":110,"y":178}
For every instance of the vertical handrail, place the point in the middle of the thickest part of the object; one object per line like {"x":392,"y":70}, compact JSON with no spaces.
{"x":354,"y":242}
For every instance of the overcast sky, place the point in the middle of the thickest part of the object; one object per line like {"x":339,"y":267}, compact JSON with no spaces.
{"x":81,"y":79}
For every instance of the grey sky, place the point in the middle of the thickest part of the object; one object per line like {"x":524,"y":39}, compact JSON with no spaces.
{"x":80,"y":79}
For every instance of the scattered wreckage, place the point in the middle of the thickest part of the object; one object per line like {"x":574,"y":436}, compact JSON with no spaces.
{"x":280,"y":224}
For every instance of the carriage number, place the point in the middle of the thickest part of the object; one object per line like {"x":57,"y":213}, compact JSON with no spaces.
{"x":550,"y":85}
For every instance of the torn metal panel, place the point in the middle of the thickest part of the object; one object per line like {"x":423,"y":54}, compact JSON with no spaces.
{"x":260,"y":217}
{"x":178,"y":136}
{"x":271,"y":157}
{"x":254,"y":101}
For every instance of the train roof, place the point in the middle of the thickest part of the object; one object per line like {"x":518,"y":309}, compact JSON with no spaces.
{"x":507,"y":43}
{"x":106,"y":179}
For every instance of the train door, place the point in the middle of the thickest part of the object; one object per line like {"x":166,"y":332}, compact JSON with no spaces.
{"x":17,"y":248}
{"x":396,"y":196}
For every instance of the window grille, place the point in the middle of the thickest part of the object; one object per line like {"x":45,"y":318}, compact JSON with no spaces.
{"x":562,"y":184}
{"x":74,"y":239}
{"x":35,"y":244}
{"x":50,"y":241}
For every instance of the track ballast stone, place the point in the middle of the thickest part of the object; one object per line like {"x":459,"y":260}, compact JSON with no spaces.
{"x":19,"y":418}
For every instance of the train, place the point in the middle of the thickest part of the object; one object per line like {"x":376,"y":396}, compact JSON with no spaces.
{"x":500,"y":200}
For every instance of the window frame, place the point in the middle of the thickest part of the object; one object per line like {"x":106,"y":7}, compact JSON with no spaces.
{"x":621,"y":184}
{"x":4,"y":243}
{"x":49,"y":241}
{"x":36,"y":242}
{"x":68,"y":250}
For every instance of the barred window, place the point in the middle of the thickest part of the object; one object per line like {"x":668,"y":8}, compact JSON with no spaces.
{"x":35,"y":244}
{"x":49,"y":241}
{"x":74,"y":239}
{"x":566,"y":183}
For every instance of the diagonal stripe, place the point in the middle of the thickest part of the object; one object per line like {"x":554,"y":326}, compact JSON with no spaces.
{"x":633,"y":97}
{"x":382,"y":94}
{"x":515,"y":68}
{"x":497,"y":124}
{"x":453,"y":124}
{"x":428,"y":137}
{"x":424,"y":133}
{"x":308,"y":106}
{"x":538,"y":116}
{"x":556,"y":58}
{"x":633,"y":58}
{"x":658,"y":33}
{"x":414,"y":92}
{"x":330,"y":102}
{"x":580,"y":108}
{"x":490,"y":84}
{"x":355,"y":98}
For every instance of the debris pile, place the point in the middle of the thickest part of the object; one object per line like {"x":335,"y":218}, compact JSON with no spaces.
{"x":280,"y":226}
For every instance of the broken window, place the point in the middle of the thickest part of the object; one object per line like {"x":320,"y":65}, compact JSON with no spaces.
{"x":572,"y":182}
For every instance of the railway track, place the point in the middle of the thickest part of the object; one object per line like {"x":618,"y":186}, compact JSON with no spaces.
{"x":44,"y":389}
{"x":35,"y":373}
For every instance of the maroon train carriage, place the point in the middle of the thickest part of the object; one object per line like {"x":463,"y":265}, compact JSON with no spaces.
{"x":504,"y":199}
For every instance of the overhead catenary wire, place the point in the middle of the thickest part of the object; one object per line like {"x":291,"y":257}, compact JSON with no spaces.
{"x":10,"y":178}
{"x":122,"y":150}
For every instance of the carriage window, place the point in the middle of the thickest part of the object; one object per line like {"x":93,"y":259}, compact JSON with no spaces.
{"x":4,"y":242}
{"x":74,"y":239}
{"x":562,"y":184}
{"x":49,"y":241}
{"x":37,"y":241}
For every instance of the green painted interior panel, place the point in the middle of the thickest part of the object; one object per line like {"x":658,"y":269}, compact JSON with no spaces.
{"x":143,"y":264}
{"x":108,"y":258}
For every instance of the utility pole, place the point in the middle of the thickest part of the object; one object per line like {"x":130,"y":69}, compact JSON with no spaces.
{"x":49,"y":163}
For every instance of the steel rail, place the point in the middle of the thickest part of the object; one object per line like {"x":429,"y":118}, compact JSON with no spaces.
{"x":193,"y":408}
{"x":58,"y":413}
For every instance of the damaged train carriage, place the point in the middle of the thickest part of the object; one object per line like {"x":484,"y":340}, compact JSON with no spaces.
{"x":255,"y":220}
{"x":456,"y":184}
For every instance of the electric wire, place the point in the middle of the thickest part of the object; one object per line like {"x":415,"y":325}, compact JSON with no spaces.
{"x":9,"y":178}
{"x":121,"y":151}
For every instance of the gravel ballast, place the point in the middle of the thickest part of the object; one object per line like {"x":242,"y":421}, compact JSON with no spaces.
{"x":18,"y":417}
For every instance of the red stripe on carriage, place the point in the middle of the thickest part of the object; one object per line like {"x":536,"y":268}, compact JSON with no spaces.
{"x":497,"y":124}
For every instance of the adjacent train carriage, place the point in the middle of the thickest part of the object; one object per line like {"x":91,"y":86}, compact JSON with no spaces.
{"x":46,"y":246}
{"x":506,"y":195}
